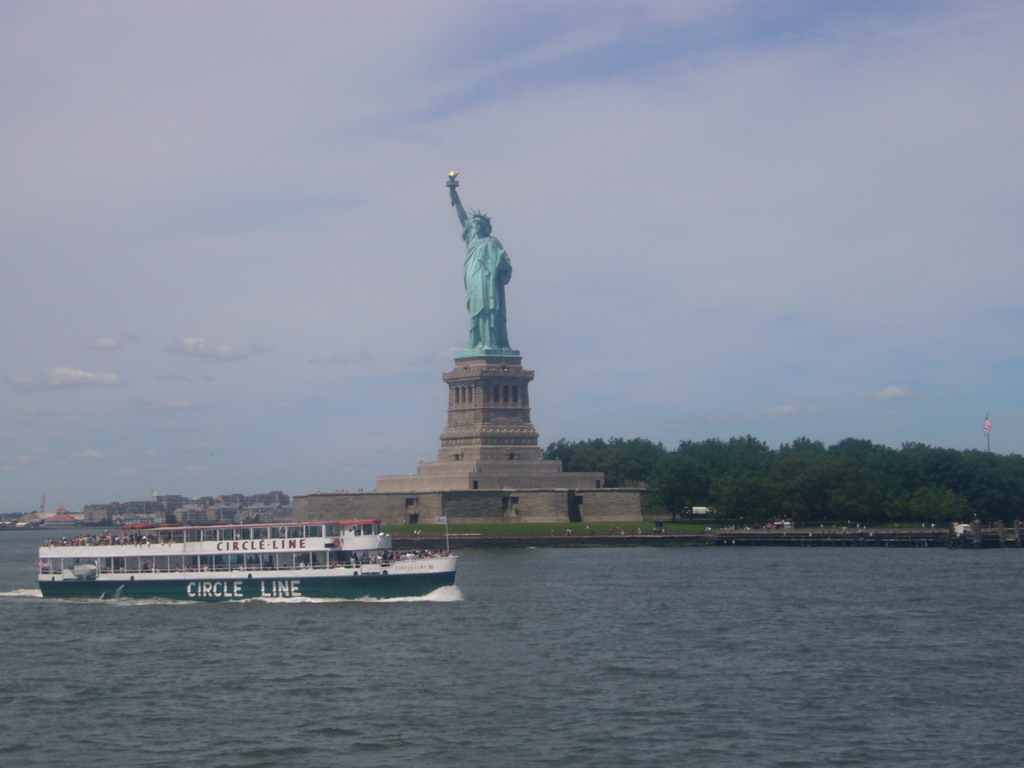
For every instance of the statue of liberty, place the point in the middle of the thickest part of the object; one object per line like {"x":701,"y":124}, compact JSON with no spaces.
{"x":486,"y":271}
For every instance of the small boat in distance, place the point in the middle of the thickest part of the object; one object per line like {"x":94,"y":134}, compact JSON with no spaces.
{"x":347,"y":559}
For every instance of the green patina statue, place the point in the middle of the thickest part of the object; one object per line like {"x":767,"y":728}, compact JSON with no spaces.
{"x":486,"y":271}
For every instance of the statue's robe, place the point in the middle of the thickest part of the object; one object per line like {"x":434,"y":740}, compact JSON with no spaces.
{"x":487,"y":270}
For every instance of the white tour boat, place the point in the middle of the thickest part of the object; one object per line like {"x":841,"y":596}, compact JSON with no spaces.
{"x":349,"y":559}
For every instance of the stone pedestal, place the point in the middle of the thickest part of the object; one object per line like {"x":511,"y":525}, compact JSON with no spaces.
{"x":489,"y":442}
{"x":489,"y":467}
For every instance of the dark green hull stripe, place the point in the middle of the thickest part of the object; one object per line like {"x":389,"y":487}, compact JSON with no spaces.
{"x":226,"y":588}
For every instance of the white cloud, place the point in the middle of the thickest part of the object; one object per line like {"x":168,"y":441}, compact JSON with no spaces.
{"x":205,"y":350}
{"x":104,"y":343}
{"x":165,"y":405}
{"x":209,"y":448}
{"x":364,"y":356}
{"x":791,"y":410}
{"x":74,"y":377}
{"x":894,"y":392}
{"x":89,"y":453}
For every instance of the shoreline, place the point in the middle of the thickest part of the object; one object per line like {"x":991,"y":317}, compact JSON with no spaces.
{"x":986,"y":538}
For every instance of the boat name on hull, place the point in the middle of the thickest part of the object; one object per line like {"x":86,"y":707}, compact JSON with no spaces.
{"x":268,"y":588}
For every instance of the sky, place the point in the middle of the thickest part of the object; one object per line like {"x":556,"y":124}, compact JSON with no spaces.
{"x":230,"y":264}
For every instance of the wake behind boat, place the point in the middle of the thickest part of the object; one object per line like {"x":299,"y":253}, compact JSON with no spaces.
{"x":349,"y":559}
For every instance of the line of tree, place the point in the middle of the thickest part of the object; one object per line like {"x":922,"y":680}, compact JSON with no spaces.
{"x":855,"y":480}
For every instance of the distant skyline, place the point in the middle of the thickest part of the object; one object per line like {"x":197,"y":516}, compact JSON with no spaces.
{"x":231,"y":264}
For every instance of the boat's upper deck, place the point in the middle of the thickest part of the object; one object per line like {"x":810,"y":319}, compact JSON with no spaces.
{"x":349,"y":535}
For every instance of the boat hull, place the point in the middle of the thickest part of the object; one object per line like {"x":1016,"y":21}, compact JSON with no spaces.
{"x":236,"y":586}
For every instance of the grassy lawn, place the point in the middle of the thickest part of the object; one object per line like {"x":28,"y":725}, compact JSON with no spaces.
{"x":545,"y":529}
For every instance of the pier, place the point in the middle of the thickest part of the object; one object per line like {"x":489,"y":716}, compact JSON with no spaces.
{"x":977,"y":537}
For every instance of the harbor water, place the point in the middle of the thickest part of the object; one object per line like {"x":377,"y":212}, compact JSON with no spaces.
{"x":687,"y":656}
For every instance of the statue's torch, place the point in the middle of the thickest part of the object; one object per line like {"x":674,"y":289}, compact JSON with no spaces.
{"x":452,"y":185}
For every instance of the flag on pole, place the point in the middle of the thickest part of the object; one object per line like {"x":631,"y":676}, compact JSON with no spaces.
{"x":442,"y":520}
{"x":986,"y":427}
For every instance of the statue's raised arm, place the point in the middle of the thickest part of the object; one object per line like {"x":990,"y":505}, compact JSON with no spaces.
{"x":453,"y":190}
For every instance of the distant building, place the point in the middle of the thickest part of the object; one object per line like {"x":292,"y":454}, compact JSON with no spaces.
{"x":225,"y":509}
{"x":96,"y":513}
{"x":60,"y":519}
{"x":192,"y":513}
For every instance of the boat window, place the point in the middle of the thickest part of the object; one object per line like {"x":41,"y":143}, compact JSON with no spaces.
{"x":314,"y":530}
{"x":209,"y":534}
{"x":295,"y":532}
{"x":213,"y":562}
{"x":332,"y":530}
{"x":277,"y":532}
{"x":194,"y":535}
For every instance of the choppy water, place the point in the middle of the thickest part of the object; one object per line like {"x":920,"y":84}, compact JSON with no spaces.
{"x":594,"y":657}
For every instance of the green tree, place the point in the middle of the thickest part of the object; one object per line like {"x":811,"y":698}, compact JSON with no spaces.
{"x":746,"y":496}
{"x":802,"y":476}
{"x":742,"y":486}
{"x":854,"y":479}
{"x":561,"y":451}
{"x":935,"y":505}
{"x":679,"y":482}
{"x":624,"y":462}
